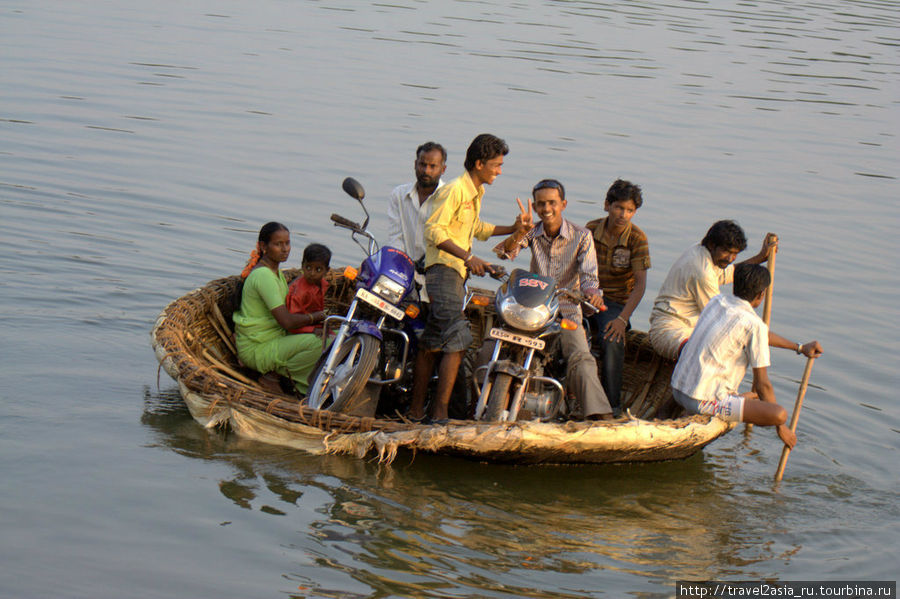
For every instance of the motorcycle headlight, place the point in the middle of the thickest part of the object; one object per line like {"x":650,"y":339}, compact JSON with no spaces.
{"x":388,"y":289}
{"x":522,"y":317}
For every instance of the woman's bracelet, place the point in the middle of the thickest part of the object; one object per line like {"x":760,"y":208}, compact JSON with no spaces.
{"x":619,"y":317}
{"x":799,"y":349}
{"x":467,"y":257}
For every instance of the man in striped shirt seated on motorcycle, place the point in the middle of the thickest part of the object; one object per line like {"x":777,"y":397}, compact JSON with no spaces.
{"x":565,"y":251}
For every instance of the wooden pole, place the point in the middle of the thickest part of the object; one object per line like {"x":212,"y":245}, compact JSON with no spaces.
{"x":767,"y":305}
{"x":770,"y":264}
{"x":795,"y":417}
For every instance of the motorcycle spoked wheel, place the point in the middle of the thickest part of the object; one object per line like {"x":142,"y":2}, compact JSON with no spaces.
{"x":354,"y":364}
{"x":498,"y":398}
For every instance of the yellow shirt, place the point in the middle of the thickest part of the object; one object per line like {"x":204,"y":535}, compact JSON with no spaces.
{"x":455,"y":210}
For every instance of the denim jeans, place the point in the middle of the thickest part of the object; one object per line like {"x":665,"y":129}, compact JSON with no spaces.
{"x":612,"y":353}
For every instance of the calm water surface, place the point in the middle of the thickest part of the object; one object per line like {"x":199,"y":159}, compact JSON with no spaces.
{"x":143,"y":144}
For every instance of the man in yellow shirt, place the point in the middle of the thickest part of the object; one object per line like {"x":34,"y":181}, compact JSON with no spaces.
{"x":453,"y":223}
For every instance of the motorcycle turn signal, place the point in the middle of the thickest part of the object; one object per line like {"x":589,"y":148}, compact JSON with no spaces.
{"x":568,"y":325}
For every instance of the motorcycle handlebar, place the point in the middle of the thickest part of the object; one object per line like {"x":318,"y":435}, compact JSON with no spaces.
{"x":497,"y":272}
{"x":344,"y":222}
{"x":578,"y":296}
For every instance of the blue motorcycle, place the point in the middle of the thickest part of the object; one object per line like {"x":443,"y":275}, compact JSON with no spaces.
{"x":353,"y":372}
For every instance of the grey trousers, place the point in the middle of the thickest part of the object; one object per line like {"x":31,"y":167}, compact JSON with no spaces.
{"x":581,"y":373}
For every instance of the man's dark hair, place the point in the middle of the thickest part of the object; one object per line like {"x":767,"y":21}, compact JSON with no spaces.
{"x":430,"y":146}
{"x":550,"y":184}
{"x":622,"y":191}
{"x":483,"y":148}
{"x":316,"y":252}
{"x":750,"y":280}
{"x":725,"y":234}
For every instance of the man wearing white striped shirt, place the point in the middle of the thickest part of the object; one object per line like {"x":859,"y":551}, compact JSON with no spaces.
{"x":729,"y":337}
{"x":565,"y":251}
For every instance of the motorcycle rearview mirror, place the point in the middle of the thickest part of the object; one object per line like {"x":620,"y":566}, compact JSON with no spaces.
{"x":355,"y":190}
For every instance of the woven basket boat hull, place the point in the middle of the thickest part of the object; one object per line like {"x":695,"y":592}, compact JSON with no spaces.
{"x":190,"y":339}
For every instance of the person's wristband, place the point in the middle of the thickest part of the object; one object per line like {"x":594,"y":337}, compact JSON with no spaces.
{"x":619,"y":317}
{"x":467,"y":257}
{"x":799,"y":349}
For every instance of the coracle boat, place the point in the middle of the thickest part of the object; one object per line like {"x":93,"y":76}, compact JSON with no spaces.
{"x":193,"y":343}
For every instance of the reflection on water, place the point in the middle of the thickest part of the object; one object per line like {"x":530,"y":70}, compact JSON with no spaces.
{"x":433,"y":526}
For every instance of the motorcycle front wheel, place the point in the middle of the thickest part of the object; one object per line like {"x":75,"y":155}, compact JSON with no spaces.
{"x":354,"y":363}
{"x":498,"y":398}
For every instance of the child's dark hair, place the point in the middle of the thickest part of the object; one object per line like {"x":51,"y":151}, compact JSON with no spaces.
{"x":483,"y":148}
{"x":316,"y":252}
{"x":622,"y":191}
{"x":725,"y":234}
{"x":750,"y":280}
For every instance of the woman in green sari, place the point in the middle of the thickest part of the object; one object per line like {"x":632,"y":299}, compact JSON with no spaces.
{"x":263,"y":321}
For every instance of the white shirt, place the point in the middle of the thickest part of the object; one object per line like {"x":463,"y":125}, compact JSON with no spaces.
{"x":406,"y":219}
{"x":691,"y":282}
{"x":728,"y":338}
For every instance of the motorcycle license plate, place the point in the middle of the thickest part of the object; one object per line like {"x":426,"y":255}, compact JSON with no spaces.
{"x":374,"y":300}
{"x":517,"y":339}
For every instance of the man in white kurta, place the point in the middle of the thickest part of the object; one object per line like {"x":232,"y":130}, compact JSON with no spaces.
{"x":693,"y":280}
{"x":408,"y":206}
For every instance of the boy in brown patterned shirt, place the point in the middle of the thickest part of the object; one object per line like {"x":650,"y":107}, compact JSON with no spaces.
{"x":623,"y":257}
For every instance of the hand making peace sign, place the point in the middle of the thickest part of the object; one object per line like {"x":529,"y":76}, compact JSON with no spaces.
{"x":524,"y":220}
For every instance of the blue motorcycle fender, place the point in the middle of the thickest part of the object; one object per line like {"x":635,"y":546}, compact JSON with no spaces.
{"x":365,"y":327}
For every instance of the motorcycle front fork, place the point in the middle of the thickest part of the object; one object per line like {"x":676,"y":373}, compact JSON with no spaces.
{"x":346,"y":322}
{"x":485,"y":391}
{"x":526,"y":379}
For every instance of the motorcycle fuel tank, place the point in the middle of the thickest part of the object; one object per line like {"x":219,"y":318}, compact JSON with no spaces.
{"x":528,"y":289}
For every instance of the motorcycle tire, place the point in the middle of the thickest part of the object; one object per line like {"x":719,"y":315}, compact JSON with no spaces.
{"x":354,"y":364}
{"x":498,"y":398}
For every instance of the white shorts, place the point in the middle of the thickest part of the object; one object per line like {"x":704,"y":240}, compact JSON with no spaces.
{"x":730,"y":408}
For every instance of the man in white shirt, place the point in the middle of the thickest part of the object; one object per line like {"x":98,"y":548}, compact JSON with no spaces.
{"x":729,"y":336}
{"x":693,"y":280}
{"x":407,"y":206}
